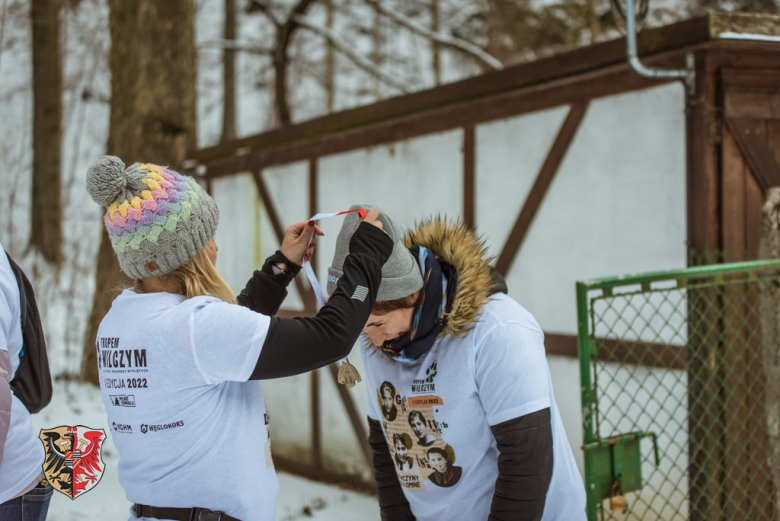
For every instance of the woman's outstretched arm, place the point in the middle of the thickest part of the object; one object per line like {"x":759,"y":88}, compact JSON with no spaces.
{"x":298,"y":345}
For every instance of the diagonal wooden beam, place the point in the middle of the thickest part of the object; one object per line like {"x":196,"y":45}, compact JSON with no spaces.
{"x":357,"y":422}
{"x":543,"y":181}
{"x":316,"y":422}
{"x":316,"y":411}
{"x":752,"y":140}
{"x":307,"y":294}
{"x":313,"y":190}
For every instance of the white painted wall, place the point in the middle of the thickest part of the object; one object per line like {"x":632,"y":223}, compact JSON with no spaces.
{"x":239,"y":233}
{"x":616,"y":206}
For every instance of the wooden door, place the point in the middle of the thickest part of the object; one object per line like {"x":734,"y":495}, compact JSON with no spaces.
{"x":750,"y":165}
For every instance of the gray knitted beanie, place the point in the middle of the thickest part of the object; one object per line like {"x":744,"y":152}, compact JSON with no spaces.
{"x":157,"y":219}
{"x":401,"y":274}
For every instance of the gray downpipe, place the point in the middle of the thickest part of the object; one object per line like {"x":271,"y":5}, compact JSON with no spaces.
{"x":685,"y":75}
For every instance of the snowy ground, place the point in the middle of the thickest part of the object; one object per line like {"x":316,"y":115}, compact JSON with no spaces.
{"x":299,"y":498}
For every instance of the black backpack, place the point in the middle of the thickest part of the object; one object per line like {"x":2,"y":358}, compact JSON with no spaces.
{"x":32,"y":383}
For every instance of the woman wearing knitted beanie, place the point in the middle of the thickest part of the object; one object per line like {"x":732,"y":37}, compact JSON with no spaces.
{"x":177,"y":356}
{"x":471,"y":384}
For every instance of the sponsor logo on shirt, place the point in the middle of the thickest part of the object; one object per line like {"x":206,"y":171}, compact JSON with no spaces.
{"x":161,"y":426}
{"x":122,"y":428}
{"x":123,"y":400}
{"x":73,"y":463}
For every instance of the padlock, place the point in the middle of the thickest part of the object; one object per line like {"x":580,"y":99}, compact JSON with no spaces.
{"x":617,"y":501}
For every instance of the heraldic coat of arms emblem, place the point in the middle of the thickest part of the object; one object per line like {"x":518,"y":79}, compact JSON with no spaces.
{"x":73,"y":463}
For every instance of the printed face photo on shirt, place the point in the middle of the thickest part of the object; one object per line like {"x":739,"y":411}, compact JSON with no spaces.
{"x":402,"y":443}
{"x":387,"y":398}
{"x":387,"y":401}
{"x":445,"y":473}
{"x":438,"y":461}
{"x":420,"y":428}
{"x":417,"y":422}
{"x":402,"y":447}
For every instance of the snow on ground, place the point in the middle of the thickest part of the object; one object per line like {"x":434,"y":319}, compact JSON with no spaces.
{"x":80,"y":404}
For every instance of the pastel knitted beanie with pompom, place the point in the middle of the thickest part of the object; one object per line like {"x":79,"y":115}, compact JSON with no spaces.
{"x":157,"y":219}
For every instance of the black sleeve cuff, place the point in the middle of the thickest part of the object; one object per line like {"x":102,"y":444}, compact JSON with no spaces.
{"x":525,"y":465}
{"x":266,"y":290}
{"x":277,"y":258}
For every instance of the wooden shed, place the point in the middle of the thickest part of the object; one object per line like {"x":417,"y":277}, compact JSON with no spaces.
{"x":571,"y":166}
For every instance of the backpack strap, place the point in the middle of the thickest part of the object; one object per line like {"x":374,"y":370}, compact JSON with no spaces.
{"x":32,"y":382}
{"x":22,"y":294}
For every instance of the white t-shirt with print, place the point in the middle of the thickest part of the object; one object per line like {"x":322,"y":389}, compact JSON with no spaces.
{"x":496,"y":372}
{"x":191,"y":431}
{"x":23,"y":452}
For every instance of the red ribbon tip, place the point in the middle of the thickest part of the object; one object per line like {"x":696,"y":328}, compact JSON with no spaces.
{"x":361,"y":212}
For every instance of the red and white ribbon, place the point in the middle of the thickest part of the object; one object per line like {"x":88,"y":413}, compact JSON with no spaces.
{"x":315,"y":284}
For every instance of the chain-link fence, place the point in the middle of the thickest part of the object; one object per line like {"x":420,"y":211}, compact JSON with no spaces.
{"x":674,"y":394}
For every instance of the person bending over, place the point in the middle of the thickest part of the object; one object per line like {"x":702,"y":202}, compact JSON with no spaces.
{"x":468,"y":365}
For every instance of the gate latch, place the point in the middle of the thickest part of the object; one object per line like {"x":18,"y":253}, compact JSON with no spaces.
{"x":613,"y":467}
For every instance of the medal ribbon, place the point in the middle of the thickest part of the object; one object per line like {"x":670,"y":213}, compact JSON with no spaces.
{"x":315,"y":284}
{"x":347,"y":375}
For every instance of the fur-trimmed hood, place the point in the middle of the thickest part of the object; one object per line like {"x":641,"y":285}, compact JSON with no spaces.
{"x":460,"y":247}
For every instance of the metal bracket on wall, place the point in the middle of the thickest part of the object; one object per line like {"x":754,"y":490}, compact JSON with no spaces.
{"x":687,"y":75}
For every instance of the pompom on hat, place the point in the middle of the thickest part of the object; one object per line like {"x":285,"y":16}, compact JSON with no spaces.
{"x":401,"y":275}
{"x":156,"y":218}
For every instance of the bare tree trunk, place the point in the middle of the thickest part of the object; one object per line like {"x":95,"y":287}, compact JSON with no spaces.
{"x":376,"y":50}
{"x":229,"y":75}
{"x":770,"y":321}
{"x":46,"y":208}
{"x":284,"y":34}
{"x":435,"y":47}
{"x":594,"y":21}
{"x":153,"y":120}
{"x":330,"y":62}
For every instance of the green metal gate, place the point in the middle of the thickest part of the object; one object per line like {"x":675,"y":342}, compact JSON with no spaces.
{"x":672,"y":383}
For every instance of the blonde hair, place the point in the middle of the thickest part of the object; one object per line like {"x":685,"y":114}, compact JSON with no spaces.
{"x":198,"y":277}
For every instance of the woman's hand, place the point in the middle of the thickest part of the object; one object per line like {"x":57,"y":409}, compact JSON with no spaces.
{"x":371,"y":218}
{"x":296,"y":237}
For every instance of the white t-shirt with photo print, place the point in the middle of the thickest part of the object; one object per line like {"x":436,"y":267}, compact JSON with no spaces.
{"x":446,"y":402}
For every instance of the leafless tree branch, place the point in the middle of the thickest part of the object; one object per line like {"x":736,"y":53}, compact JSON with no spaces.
{"x":265,"y":7}
{"x":357,"y":58}
{"x":443,"y":39}
{"x":249,"y":46}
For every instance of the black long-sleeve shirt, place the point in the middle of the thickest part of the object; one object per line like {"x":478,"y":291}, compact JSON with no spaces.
{"x":298,"y":345}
